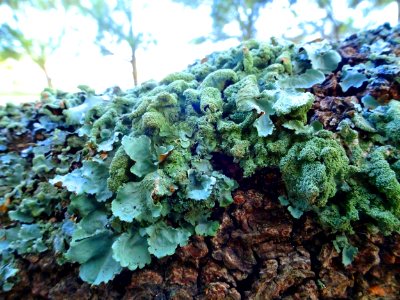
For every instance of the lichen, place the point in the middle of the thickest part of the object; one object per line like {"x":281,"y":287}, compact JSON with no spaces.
{"x":312,"y":170}
{"x":140,"y":168}
{"x":119,"y":170}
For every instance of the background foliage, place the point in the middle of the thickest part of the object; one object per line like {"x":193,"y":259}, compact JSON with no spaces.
{"x":234,"y":19}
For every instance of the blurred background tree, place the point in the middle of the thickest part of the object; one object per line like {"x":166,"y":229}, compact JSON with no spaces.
{"x":110,"y":26}
{"x":15,"y":43}
{"x":245,"y":13}
{"x":331,"y":26}
{"x":115,"y":25}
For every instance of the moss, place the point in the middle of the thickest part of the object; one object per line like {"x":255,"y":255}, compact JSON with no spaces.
{"x":293,"y":105}
{"x":248,"y":83}
{"x":362,"y":123}
{"x":163,"y":100}
{"x":276,"y":68}
{"x":362,"y":204}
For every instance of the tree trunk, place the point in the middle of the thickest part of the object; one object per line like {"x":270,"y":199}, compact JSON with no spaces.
{"x":398,"y":11}
{"x":48,"y":78}
{"x":248,"y":31}
{"x":134,"y":68}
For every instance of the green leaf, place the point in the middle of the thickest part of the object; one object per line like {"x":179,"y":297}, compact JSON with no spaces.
{"x":91,"y":178}
{"x":163,"y":239}
{"x":131,"y":250}
{"x":7,"y":236}
{"x":134,"y":199}
{"x":200,"y":185}
{"x":90,"y":238}
{"x":295,"y":125}
{"x":139,"y":149}
{"x":305,"y":80}
{"x":351,"y":78}
{"x":219,"y":79}
{"x":62,"y":236}
{"x":21,"y":216}
{"x":163,"y":152}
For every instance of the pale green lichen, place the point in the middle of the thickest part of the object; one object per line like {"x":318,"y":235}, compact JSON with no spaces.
{"x":210,"y":100}
{"x":285,"y":59}
{"x":386,"y":120}
{"x":311,"y":171}
{"x":220,"y":79}
{"x":119,"y":170}
{"x":383,"y":177}
{"x":185,"y":76}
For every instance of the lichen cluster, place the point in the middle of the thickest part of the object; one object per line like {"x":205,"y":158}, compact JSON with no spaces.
{"x":127,"y":176}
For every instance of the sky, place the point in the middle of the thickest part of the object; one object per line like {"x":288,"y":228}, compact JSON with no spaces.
{"x":172,"y":25}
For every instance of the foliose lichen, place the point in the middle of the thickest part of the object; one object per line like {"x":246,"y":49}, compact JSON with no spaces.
{"x":133,"y":169}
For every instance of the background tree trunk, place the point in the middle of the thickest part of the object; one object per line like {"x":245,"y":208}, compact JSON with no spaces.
{"x":134,"y":67}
